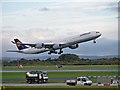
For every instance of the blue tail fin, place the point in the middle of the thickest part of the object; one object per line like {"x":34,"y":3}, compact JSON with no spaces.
{"x":19,"y":44}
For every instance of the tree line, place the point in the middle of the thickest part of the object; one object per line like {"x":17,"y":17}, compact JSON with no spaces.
{"x":64,"y":59}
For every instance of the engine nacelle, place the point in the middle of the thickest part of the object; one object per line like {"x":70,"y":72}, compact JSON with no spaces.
{"x":39,"y":45}
{"x":74,"y":46}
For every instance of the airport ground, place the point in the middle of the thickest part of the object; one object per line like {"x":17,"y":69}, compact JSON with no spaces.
{"x":58,"y":77}
{"x":13,"y":73}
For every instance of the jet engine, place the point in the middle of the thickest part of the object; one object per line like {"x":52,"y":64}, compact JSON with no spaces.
{"x":74,"y":46}
{"x":56,"y":46}
{"x":39,"y":45}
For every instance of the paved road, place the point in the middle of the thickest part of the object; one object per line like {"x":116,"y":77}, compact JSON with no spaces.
{"x":46,"y":84}
{"x":63,"y":70}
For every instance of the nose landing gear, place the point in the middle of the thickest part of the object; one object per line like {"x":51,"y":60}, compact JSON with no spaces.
{"x":94,"y":41}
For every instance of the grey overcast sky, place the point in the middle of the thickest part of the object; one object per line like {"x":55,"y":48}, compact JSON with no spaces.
{"x":36,"y":21}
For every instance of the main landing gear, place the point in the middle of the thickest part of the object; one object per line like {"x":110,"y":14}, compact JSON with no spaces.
{"x":60,"y":51}
{"x":55,"y":52}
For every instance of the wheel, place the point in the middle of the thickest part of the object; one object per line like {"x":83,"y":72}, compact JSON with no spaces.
{"x":94,"y":41}
{"x":40,"y":81}
{"x":90,"y":84}
{"x":49,"y":52}
{"x":60,"y":52}
{"x":29,"y":81}
{"x":85,"y":84}
{"x":46,"y":81}
{"x":74,"y":84}
{"x":55,"y":52}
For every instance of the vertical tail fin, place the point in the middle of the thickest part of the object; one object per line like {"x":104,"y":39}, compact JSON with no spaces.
{"x":19,"y":44}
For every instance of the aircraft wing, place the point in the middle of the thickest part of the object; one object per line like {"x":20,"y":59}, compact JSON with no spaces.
{"x":45,"y":45}
{"x":62,"y":43}
{"x":48,"y":45}
{"x":39,"y":45}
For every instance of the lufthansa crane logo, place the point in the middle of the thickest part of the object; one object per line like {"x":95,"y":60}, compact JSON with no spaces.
{"x":18,"y":44}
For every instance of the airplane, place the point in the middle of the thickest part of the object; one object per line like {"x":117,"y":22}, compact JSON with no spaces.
{"x":71,"y":42}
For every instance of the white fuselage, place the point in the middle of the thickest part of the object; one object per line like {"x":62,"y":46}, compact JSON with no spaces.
{"x":67,"y":42}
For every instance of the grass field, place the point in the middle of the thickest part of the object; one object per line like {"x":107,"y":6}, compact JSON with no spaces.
{"x":65,"y":67}
{"x":20,"y":75}
{"x":60,"y":88}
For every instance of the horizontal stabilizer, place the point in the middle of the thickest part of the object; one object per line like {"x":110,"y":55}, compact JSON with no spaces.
{"x":14,"y":51}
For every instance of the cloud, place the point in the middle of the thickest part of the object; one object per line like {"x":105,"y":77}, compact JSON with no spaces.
{"x":61,"y":1}
{"x":33,"y":34}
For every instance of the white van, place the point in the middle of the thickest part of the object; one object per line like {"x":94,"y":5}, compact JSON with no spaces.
{"x":79,"y":81}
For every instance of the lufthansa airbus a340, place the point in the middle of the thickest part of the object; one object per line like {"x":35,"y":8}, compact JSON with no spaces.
{"x":52,"y":47}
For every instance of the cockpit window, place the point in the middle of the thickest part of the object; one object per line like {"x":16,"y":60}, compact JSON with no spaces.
{"x":97,"y":32}
{"x":85,"y":34}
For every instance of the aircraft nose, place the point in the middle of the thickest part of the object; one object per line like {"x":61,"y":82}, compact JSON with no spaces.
{"x":98,"y":33}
